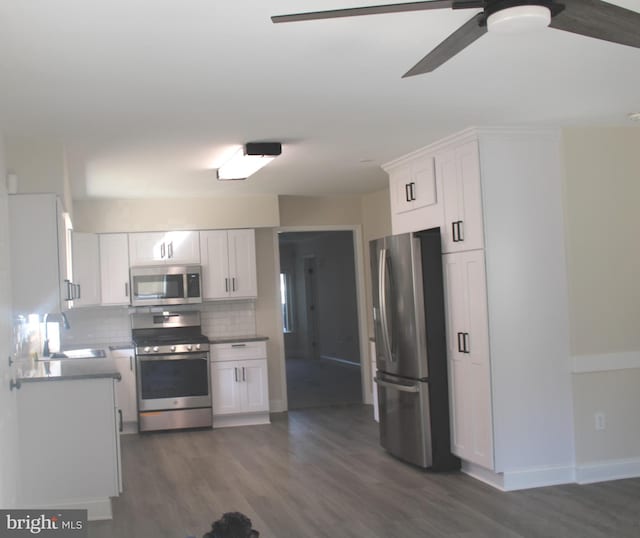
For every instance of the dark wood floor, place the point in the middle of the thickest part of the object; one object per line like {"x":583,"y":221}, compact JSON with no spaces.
{"x":321,"y":473}
{"x":322,"y":382}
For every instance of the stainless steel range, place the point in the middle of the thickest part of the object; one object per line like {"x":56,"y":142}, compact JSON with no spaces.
{"x":172,"y":366}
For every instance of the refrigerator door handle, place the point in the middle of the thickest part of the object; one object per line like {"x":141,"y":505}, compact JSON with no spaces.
{"x":382,"y":295}
{"x":401,"y":388}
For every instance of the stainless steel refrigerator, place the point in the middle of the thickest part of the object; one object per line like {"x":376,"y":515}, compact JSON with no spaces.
{"x":411,"y":357}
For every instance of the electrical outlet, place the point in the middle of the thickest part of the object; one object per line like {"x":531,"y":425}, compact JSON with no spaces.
{"x":600,"y":421}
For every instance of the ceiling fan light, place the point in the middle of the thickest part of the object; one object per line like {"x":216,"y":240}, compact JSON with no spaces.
{"x":519,"y":19}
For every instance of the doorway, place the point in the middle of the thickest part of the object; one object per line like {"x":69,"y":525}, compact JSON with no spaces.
{"x":320,"y":313}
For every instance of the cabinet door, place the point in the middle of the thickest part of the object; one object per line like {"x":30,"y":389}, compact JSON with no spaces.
{"x":214,"y":254}
{"x":182,"y":247}
{"x":468,"y":356}
{"x":242,"y":263}
{"x":147,"y":248}
{"x":462,"y":198}
{"x":86,"y":268}
{"x":35,"y":275}
{"x":65,"y":257}
{"x":126,"y":387}
{"x":255,"y":385}
{"x":226,"y":388}
{"x":114,"y":269}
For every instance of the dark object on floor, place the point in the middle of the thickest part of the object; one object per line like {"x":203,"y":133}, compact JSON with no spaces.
{"x":232,"y":525}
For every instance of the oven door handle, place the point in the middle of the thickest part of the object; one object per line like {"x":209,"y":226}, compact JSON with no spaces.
{"x":178,"y":357}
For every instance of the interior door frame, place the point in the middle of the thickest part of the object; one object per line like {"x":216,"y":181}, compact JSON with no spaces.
{"x":363,"y":339}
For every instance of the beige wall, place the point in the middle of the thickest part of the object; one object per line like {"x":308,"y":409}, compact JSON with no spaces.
{"x":40,"y":165}
{"x":146,"y":215}
{"x":376,"y":223}
{"x":320,"y":211}
{"x":603,"y":226}
{"x":602,"y":220}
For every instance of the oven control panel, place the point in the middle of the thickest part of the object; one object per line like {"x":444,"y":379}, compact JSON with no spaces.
{"x":173,"y":348}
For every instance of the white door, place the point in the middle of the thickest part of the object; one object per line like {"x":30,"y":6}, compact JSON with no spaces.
{"x":226,"y":387}
{"x":114,"y":269}
{"x":8,"y":412}
{"x":86,"y":268}
{"x":468,"y":355}
{"x":254,"y":377}
{"x":462,"y":197}
{"x":147,"y":248}
{"x":214,"y":254}
{"x":242,"y":263}
{"x":182,"y":247}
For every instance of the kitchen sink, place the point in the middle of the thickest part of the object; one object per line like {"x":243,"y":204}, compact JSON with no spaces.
{"x":78,"y":354}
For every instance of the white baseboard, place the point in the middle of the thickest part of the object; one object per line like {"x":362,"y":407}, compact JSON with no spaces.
{"x":97,"y":509}
{"x":253,"y":419}
{"x":525,"y":479}
{"x":607,"y":470}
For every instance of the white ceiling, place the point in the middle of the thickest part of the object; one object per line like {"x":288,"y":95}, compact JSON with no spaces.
{"x":150,"y":95}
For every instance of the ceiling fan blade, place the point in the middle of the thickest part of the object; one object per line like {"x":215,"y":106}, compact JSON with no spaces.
{"x":370,"y":10}
{"x":456,"y":42}
{"x":600,"y":20}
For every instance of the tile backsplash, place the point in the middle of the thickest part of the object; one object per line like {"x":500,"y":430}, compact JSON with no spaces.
{"x":103,"y":325}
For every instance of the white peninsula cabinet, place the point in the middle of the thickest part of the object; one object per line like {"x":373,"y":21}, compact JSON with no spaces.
{"x":239,"y":384}
{"x":114,"y":269}
{"x":124,"y":360}
{"x":228,"y":264}
{"x":157,"y":248}
{"x":70,"y":445}
{"x":499,"y":207}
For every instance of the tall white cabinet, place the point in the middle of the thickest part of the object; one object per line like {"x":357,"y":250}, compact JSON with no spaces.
{"x":114,"y":269}
{"x":498,"y":203}
{"x":86,"y":268}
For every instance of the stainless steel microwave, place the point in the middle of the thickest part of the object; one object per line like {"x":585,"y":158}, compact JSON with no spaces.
{"x":166,"y":285}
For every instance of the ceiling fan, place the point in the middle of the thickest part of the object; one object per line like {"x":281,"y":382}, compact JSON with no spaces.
{"x":592,"y":18}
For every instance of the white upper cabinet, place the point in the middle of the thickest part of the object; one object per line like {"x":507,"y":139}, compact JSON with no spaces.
{"x":155,"y":248}
{"x":40,"y":239}
{"x":459,"y":169}
{"x":86,"y":268}
{"x":415,"y":193}
{"x":114,"y":269}
{"x":228,"y":264}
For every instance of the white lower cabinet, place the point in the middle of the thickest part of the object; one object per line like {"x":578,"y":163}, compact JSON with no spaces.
{"x":239,"y":384}
{"x":78,"y":466}
{"x":126,"y":388}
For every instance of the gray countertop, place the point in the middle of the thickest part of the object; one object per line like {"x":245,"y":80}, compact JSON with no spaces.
{"x":228,"y":339}
{"x":30,"y":370}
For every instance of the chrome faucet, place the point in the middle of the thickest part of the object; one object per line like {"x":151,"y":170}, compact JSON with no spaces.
{"x":65,"y":324}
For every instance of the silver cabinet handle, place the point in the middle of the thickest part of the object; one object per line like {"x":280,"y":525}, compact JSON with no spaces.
{"x":401,"y":388}
{"x":244,"y":376}
{"x":162,"y":251}
{"x":238,"y":345}
{"x":226,"y":284}
{"x":131,"y":362}
{"x":233,"y":284}
{"x":235,"y":374}
{"x":126,"y":289}
{"x":170,"y":250}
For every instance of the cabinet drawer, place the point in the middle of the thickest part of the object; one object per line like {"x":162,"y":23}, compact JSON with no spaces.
{"x":238,"y":350}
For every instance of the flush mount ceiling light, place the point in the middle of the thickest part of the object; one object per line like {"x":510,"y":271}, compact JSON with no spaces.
{"x":249,"y":159}
{"x":519,"y":19}
{"x":634,"y":116}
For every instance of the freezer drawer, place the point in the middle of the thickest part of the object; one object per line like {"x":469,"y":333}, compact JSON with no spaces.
{"x":405,"y":419}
